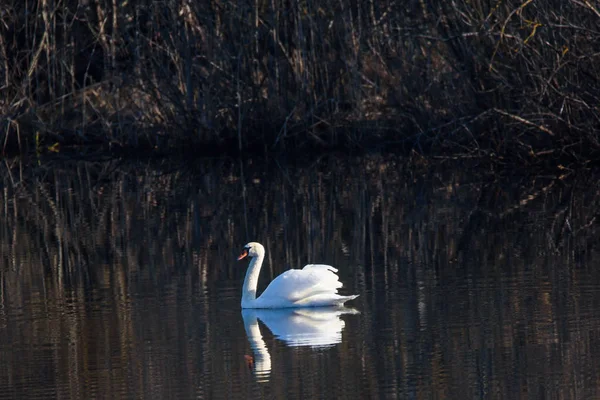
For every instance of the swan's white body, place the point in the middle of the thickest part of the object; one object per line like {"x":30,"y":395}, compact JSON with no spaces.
{"x":315,"y":285}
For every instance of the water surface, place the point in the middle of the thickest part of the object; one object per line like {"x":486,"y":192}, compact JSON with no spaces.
{"x":119,"y":280}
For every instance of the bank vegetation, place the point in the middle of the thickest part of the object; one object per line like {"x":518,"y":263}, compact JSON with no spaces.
{"x":514,"y":80}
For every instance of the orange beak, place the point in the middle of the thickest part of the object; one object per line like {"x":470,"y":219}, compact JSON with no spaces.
{"x":243,"y":255}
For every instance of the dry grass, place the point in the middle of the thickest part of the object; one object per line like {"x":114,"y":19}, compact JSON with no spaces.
{"x":513,"y":78}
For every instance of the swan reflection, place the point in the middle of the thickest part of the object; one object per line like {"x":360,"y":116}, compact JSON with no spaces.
{"x":314,"y":327}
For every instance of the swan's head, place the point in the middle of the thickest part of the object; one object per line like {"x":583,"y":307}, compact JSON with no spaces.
{"x":252,"y":249}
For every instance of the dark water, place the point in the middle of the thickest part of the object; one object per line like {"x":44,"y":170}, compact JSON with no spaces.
{"x":119,"y":280}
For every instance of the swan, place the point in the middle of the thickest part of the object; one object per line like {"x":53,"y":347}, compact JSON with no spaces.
{"x":315,"y":285}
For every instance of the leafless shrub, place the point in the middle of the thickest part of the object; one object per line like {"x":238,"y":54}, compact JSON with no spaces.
{"x":516,"y":78}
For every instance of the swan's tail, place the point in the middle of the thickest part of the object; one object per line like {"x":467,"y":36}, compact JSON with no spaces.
{"x":324,"y":293}
{"x":344,"y":299}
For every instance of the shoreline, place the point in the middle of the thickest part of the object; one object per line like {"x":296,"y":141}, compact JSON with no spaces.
{"x":513,"y":81}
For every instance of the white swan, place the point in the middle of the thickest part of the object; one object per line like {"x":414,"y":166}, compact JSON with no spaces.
{"x":315,"y":285}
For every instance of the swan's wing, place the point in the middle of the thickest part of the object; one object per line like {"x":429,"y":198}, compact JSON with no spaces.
{"x":297,"y":284}
{"x":319,"y":266}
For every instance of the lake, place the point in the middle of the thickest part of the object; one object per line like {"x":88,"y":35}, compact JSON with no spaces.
{"x":119,"y":280}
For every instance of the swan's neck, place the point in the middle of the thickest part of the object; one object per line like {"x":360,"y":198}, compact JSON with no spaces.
{"x":251,"y":280}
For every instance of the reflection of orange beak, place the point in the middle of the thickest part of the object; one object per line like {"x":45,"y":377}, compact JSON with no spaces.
{"x":249,"y":361}
{"x":243,"y":255}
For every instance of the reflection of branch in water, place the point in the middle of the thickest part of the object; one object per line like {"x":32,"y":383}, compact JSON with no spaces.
{"x":560,"y":215}
{"x":473,"y":222}
{"x":527,"y":200}
{"x":564,"y":208}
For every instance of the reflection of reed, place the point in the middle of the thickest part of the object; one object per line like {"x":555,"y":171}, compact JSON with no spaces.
{"x":472,"y":258}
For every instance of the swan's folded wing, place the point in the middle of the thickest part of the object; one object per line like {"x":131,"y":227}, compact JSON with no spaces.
{"x":297,"y":284}
{"x":315,"y":267}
